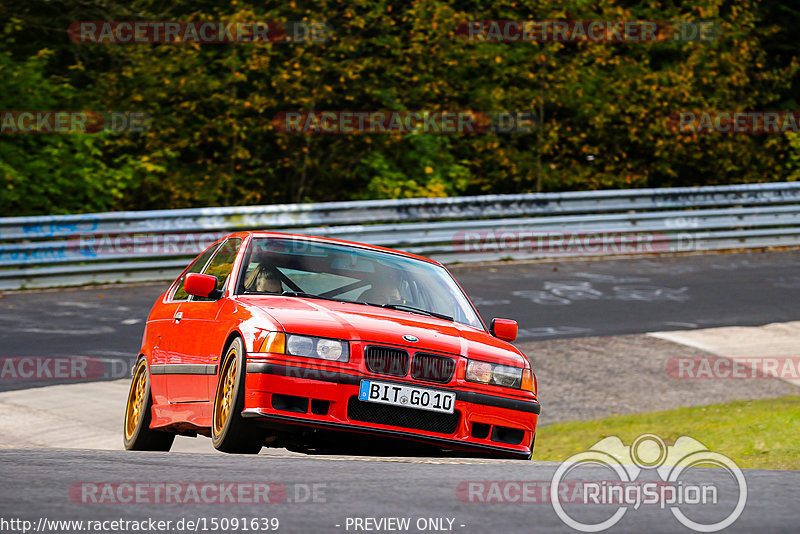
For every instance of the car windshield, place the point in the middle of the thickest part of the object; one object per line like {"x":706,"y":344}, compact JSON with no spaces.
{"x":306,"y":268}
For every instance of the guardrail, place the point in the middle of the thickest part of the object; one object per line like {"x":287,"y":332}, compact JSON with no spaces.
{"x":49,"y":251}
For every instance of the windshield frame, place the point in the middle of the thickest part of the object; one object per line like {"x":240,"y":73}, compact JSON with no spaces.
{"x":248,"y":253}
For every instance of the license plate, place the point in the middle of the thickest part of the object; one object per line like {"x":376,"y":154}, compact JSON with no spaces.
{"x":432,"y":400}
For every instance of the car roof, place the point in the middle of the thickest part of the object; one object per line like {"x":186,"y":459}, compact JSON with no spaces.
{"x":318,"y":239}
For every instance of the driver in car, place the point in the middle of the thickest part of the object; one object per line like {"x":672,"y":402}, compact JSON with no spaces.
{"x":264,"y":278}
{"x":385,"y":290}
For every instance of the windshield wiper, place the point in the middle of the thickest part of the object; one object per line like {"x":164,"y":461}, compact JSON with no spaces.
{"x":401,"y":307}
{"x":414,"y":309}
{"x":312,"y":296}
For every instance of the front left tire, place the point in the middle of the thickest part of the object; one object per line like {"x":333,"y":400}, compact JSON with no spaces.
{"x":137,"y":434}
{"x":230,"y":432}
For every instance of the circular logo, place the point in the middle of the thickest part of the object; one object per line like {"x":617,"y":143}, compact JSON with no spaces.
{"x":410,"y":339}
{"x":647,"y":452}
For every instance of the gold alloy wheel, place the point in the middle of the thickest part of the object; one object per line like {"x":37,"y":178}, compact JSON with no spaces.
{"x":133,"y":411}
{"x":222,"y":404}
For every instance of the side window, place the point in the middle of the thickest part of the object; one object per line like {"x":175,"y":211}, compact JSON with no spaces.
{"x":222,"y":263}
{"x":196,"y":266}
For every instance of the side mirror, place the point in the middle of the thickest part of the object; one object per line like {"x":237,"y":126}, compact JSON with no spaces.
{"x":505,"y":329}
{"x":200,"y":285}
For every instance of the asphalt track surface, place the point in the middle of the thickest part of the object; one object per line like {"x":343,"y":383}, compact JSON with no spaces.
{"x":319,"y":495}
{"x":550,"y":300}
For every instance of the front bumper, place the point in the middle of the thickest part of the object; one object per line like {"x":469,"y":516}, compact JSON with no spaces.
{"x":289,"y":393}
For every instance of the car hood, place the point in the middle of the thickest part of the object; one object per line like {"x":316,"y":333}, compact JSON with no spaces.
{"x":371,"y":324}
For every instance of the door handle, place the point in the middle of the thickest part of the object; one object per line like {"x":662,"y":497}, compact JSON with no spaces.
{"x":178,"y":316}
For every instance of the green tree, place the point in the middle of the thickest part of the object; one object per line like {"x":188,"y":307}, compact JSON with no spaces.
{"x":605,"y":124}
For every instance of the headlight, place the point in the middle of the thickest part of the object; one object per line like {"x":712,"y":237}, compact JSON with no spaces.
{"x":494,"y":374}
{"x":329,"y":349}
{"x":317,"y":347}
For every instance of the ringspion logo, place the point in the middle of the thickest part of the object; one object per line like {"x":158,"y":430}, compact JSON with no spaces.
{"x":678,"y":489}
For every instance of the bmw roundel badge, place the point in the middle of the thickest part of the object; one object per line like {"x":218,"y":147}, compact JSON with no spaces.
{"x":410,"y":339}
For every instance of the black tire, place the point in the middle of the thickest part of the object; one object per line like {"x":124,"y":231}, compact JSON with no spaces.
{"x":136,"y":432}
{"x":230,"y":432}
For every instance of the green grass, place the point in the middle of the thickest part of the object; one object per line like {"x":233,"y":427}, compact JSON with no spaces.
{"x":761,"y":434}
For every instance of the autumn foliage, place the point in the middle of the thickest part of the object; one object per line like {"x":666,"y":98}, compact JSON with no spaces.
{"x":602,"y":108}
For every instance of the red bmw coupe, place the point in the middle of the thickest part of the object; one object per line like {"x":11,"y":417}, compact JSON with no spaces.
{"x":280,"y":340}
